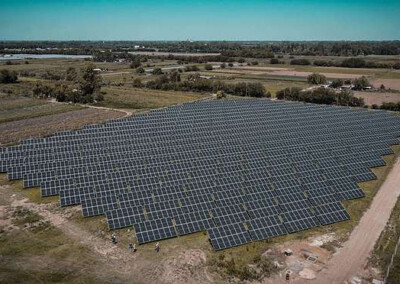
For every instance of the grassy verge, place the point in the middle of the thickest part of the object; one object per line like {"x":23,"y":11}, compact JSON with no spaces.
{"x":36,"y":252}
{"x":35,"y":111}
{"x":385,"y":246}
{"x":131,"y":98}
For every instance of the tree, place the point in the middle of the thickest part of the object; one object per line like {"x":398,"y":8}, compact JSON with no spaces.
{"x":255,"y":62}
{"x":223,"y":66}
{"x":396,"y":65}
{"x":230,"y":64}
{"x":90,"y":83}
{"x":71,"y":74}
{"x":382,"y":87}
{"x":241,"y":60}
{"x":157,"y":71}
{"x":7,"y":76}
{"x":208,"y":67}
{"x":316,"y":79}
{"x":361,"y":83}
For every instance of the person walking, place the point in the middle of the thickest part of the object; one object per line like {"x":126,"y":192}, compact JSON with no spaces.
{"x":157,"y":247}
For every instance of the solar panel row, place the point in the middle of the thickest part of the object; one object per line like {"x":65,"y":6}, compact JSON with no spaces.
{"x":242,"y":170}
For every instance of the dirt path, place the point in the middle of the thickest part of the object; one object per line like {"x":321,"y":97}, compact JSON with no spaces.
{"x":353,"y":256}
{"x":127,"y":112}
{"x":172,"y":265}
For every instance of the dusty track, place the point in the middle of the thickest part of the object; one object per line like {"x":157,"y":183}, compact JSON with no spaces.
{"x":353,"y":256}
{"x":173,"y":265}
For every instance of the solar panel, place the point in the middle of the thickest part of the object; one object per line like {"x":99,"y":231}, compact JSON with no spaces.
{"x":228,"y":236}
{"x":154,"y":230}
{"x":277,"y":167}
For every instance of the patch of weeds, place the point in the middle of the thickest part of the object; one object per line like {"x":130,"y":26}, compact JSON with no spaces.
{"x":25,"y":216}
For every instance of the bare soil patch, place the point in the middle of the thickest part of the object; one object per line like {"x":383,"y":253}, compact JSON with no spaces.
{"x":389,"y":83}
{"x":13,"y":131}
{"x":378,"y":98}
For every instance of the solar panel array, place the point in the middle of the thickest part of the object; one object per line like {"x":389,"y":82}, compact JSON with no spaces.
{"x":241,"y":170}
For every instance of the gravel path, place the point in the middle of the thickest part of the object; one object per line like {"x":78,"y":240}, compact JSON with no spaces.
{"x":352,"y":258}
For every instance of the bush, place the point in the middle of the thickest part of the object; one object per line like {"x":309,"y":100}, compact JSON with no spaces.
{"x":316,"y":79}
{"x":320,"y":96}
{"x":230,"y":64}
{"x":223,"y":66}
{"x":375,"y":106}
{"x":361,"y":83}
{"x":353,"y":63}
{"x":337,"y":83}
{"x":396,"y":65}
{"x":140,"y":70}
{"x":208,"y":67}
{"x":241,"y":60}
{"x":391,"y":106}
{"x":192,"y":68}
{"x":137,"y":83}
{"x":7,"y":76}
{"x":300,"y":62}
{"x":135,"y":64}
{"x":274,"y":61}
{"x":323,"y":63}
{"x":157,"y":71}
{"x":254,"y":62}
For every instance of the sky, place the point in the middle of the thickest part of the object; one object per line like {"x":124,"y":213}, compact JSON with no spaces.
{"x":200,"y":20}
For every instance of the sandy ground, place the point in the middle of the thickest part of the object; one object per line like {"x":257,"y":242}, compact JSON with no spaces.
{"x":276,"y":71}
{"x":351,"y":259}
{"x":378,"y":98}
{"x":13,"y":131}
{"x":173,"y":266}
{"x":389,"y":83}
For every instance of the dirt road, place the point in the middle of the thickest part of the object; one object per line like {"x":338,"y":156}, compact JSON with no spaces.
{"x":352,"y":257}
{"x":175,"y":265}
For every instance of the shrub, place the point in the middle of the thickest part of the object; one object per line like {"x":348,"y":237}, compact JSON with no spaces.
{"x":337,"y":83}
{"x":140,"y":70}
{"x":157,"y":71}
{"x":353,"y":63}
{"x":361,"y":83}
{"x":274,"y":61}
{"x":7,"y":76}
{"x":208,"y":67}
{"x":300,"y":62}
{"x":192,"y":68}
{"x":137,"y":83}
{"x":316,"y":79}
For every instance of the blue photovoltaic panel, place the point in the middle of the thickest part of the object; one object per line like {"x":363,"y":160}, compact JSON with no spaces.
{"x":243,"y":170}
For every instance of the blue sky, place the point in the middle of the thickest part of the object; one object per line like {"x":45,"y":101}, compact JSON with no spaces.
{"x":199,"y":20}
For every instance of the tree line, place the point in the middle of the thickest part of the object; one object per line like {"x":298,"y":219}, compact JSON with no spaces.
{"x":195,"y":83}
{"x":320,"y":96}
{"x":348,"y":62}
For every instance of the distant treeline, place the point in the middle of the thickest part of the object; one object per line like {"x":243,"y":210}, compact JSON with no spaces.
{"x":252,"y":49}
{"x":349,"y":63}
